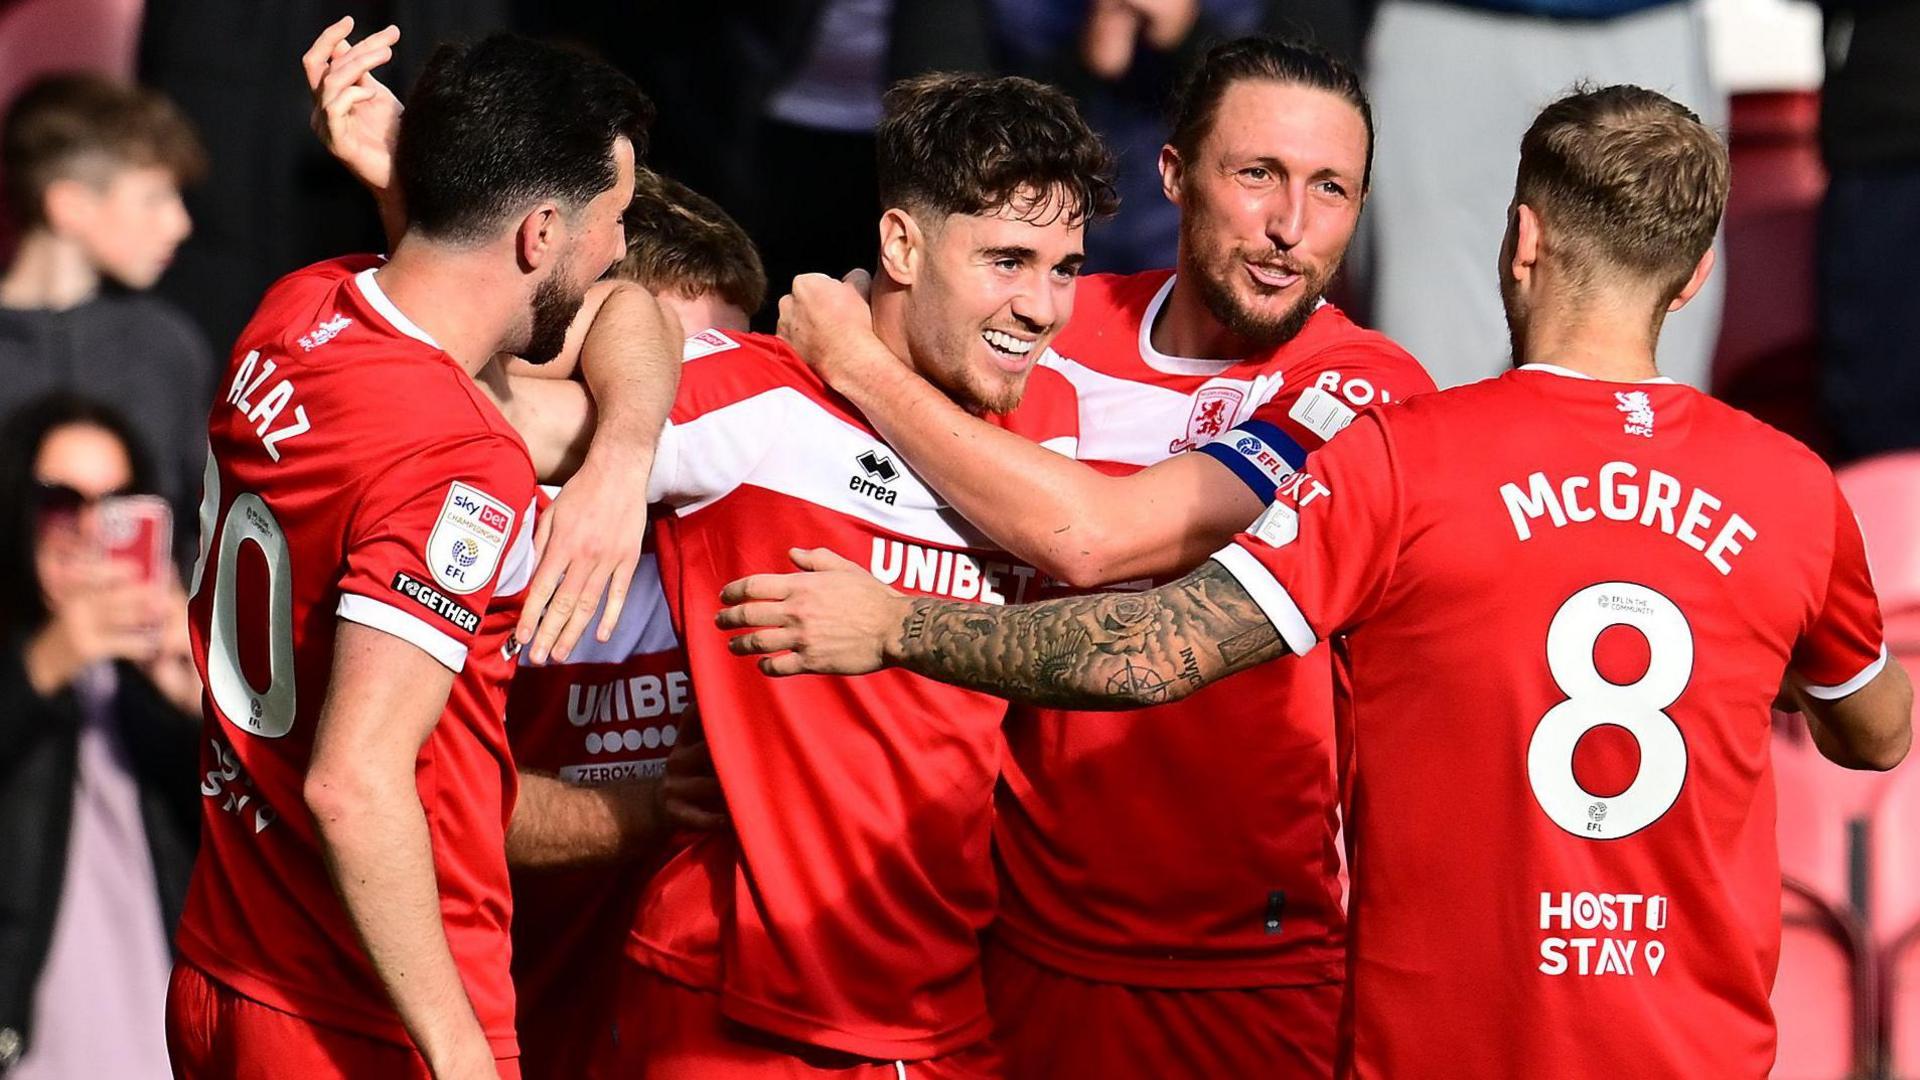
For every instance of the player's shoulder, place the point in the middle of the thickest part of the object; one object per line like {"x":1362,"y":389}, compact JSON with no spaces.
{"x":1124,"y":295}
{"x":740,"y":362}
{"x":318,"y":278}
{"x":720,"y":368}
{"x":1332,"y":340}
{"x":1758,"y":445}
{"x":1049,"y":409}
{"x":1108,"y":311}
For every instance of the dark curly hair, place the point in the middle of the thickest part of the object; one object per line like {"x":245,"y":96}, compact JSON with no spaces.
{"x":1259,"y":56}
{"x":971,"y":144}
{"x":493,"y":127}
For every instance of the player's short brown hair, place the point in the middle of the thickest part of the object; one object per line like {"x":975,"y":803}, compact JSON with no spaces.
{"x":972,"y":144}
{"x":1624,"y":179}
{"x":83,"y":126}
{"x":680,"y":241}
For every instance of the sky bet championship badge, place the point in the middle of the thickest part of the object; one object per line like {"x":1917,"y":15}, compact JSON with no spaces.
{"x":465,"y":547}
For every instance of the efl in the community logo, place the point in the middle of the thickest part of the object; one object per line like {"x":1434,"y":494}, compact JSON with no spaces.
{"x":1213,"y":412}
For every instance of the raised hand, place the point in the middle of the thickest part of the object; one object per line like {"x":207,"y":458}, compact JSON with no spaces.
{"x":354,"y":114}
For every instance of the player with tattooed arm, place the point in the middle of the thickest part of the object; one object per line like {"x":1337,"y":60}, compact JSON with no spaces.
{"x":1141,"y":910}
{"x":1568,"y":596}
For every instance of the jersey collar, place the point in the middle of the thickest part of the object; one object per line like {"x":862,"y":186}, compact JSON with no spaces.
{"x":1182,"y":365}
{"x":1569,"y":373}
{"x":370,"y":289}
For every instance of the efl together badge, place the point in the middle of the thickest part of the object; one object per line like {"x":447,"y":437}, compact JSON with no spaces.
{"x":464,"y":548}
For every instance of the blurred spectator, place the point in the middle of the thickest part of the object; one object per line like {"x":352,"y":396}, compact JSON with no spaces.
{"x":687,"y":251}
{"x":98,"y":737}
{"x":93,"y":172}
{"x":1121,"y":59}
{"x":1454,"y":84}
{"x":1870,"y":227}
{"x":44,"y":37}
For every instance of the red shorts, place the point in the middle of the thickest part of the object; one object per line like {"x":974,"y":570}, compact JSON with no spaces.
{"x":1050,"y":1024}
{"x":667,"y":1030}
{"x":214,"y":1032}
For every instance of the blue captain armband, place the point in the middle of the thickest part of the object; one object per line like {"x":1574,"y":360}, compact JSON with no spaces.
{"x":1259,"y":453}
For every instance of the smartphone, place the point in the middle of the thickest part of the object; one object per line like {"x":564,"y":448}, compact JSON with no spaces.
{"x":137,"y":529}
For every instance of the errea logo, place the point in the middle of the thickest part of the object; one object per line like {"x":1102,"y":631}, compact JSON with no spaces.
{"x":876,"y":471}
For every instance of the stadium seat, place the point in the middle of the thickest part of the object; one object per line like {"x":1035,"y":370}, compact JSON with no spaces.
{"x":1823,"y":996}
{"x":1767,"y":359}
{"x":1885,"y":493}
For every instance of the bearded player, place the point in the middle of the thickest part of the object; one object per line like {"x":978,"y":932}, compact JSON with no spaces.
{"x":1150,"y":921}
{"x":614,"y":716}
{"x":366,"y":541}
{"x":1568,"y":595}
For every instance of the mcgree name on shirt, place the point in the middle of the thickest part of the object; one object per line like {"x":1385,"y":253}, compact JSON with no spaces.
{"x":1618,"y":491}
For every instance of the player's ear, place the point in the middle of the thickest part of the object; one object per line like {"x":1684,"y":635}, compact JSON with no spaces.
{"x":1701,"y":271}
{"x":67,"y":203}
{"x":1172,"y":171}
{"x":903,"y":246}
{"x":537,"y":240}
{"x":1523,"y":249}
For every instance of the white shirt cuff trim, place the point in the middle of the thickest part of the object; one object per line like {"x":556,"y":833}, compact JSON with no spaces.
{"x":409,"y":628}
{"x":1867,"y":674}
{"x":1272,"y":597}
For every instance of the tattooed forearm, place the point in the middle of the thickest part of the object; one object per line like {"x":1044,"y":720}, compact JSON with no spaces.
{"x":1114,"y":650}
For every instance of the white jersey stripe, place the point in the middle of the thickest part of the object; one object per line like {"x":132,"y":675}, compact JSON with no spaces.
{"x":409,"y":628}
{"x":1273,"y":598}
{"x":1867,"y":675}
{"x":704,"y":459}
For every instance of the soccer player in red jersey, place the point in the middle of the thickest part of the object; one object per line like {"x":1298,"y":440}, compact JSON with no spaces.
{"x":1568,"y":597}
{"x":1141,"y":911}
{"x":837,"y":929}
{"x":610,"y":715}
{"x":366,"y":541}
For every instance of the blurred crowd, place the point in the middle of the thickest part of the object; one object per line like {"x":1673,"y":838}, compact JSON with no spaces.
{"x":158,"y":175}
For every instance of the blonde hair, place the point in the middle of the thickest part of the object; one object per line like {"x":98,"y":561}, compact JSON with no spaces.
{"x":1624,"y":179}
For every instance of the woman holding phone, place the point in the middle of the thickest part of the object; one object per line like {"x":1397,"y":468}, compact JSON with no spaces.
{"x":99,"y":718}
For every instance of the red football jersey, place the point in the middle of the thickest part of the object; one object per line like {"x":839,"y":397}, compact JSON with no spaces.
{"x":1567,"y":605}
{"x":1117,"y":863}
{"x":847,"y":913}
{"x":611,"y":711}
{"x":356,"y":473}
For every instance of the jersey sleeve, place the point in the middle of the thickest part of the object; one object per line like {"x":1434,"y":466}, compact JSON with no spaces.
{"x":1049,"y":413}
{"x":1319,"y":400}
{"x":430,"y":536}
{"x":1323,"y":554}
{"x":1844,"y":648}
{"x":731,"y":408}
